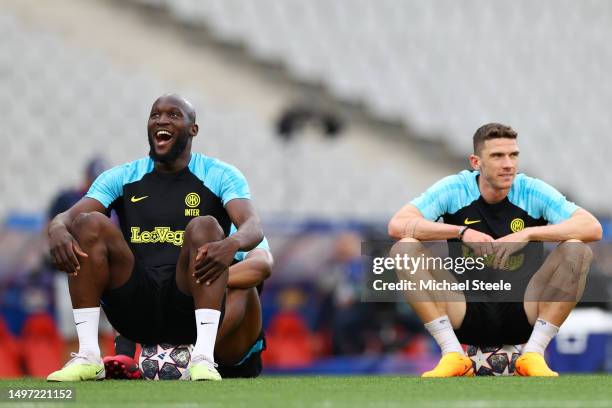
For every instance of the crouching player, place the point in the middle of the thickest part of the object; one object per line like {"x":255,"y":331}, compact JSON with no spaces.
{"x":240,"y":339}
{"x":161,"y":276}
{"x":496,"y":212}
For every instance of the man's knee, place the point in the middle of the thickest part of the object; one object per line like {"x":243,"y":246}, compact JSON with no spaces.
{"x":575,"y":253}
{"x":406,"y":246}
{"x":88,"y":227}
{"x":204,"y":229}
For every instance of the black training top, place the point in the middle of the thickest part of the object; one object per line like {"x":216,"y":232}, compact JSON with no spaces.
{"x":154,"y":207}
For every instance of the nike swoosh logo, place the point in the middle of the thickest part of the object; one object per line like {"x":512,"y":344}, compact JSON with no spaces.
{"x":467,"y":221}
{"x":76,"y":324}
{"x":135,"y":199}
{"x":206,"y":322}
{"x":99,"y":371}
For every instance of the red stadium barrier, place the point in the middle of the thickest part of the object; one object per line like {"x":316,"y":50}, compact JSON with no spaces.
{"x":9,"y":354}
{"x":289,"y":342}
{"x":42,"y":346}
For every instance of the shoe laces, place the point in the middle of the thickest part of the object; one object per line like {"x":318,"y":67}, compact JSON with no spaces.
{"x":202,"y":359}
{"x":76,"y":358}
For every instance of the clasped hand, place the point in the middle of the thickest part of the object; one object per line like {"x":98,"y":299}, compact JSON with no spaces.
{"x":213,"y":259}
{"x":502,"y":248}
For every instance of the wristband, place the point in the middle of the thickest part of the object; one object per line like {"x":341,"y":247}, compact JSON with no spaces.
{"x":462,"y":231}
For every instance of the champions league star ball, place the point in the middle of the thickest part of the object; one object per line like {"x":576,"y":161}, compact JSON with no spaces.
{"x":494,"y":360}
{"x":164,"y":361}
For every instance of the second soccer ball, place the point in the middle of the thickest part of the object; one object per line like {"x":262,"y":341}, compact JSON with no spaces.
{"x":494,"y":360}
{"x":164,"y":361}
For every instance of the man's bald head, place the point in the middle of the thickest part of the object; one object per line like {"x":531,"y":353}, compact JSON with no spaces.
{"x":179,"y":100}
{"x":171,"y":127}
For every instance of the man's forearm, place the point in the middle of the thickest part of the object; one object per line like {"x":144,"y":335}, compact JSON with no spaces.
{"x":424,"y":230}
{"x":61,"y":220}
{"x":248,"y":273}
{"x":249,"y":234}
{"x":583,"y":228}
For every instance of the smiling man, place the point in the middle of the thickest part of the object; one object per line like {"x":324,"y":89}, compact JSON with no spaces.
{"x":161,"y":277}
{"x":496,"y":212}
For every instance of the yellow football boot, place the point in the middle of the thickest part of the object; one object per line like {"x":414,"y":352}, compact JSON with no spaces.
{"x":80,"y":368}
{"x":533,"y":365}
{"x":202,"y":369}
{"x":452,"y":365}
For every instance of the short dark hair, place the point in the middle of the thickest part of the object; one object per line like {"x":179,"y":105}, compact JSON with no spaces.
{"x":492,"y":131}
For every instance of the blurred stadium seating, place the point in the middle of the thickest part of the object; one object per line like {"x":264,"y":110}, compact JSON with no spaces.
{"x":441,"y":69}
{"x":67,"y":103}
{"x":444,"y":68}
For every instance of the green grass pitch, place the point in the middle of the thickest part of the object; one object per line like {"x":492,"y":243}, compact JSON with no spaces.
{"x":328,"y":392}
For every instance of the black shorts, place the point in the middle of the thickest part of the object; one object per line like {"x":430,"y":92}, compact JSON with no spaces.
{"x":150,"y":309}
{"x":250,"y":366}
{"x":494,"y":324}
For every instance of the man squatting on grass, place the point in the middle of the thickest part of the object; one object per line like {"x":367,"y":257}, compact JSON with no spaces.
{"x":162,"y":276}
{"x":478,"y":208}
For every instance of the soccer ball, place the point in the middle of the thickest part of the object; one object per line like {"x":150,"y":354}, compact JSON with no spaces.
{"x":164,"y":361}
{"x":494,"y":360}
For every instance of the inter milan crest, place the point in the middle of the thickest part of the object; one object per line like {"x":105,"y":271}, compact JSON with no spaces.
{"x":192,"y":200}
{"x":517,"y":224}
